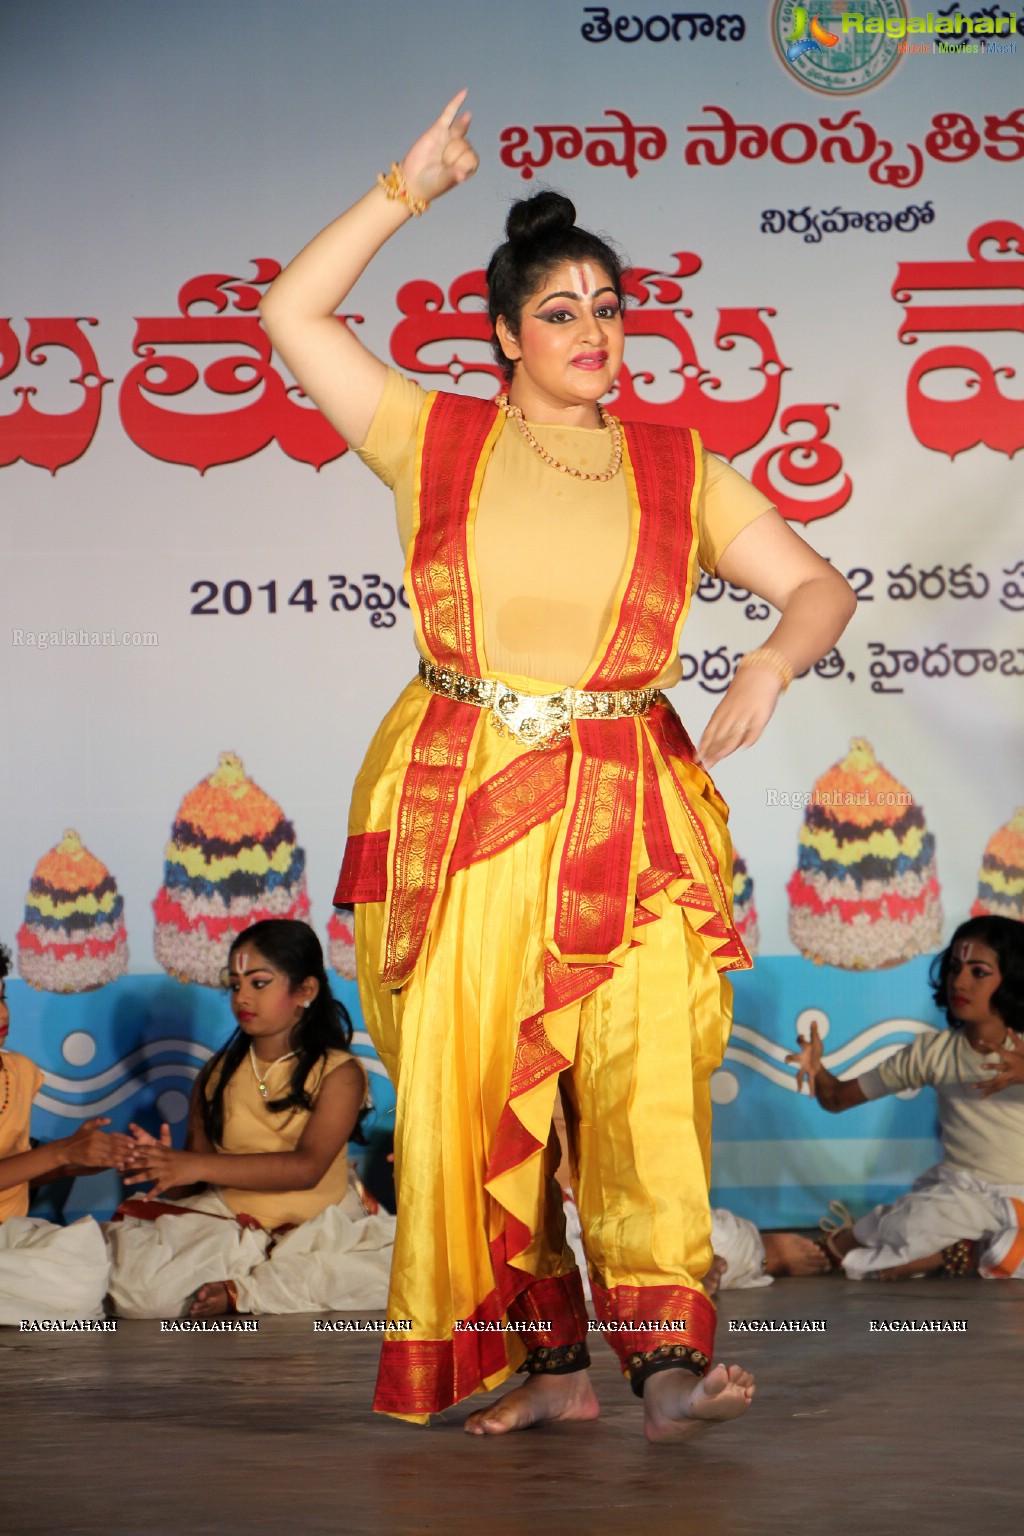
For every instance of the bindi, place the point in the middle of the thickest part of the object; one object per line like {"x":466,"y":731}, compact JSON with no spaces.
{"x":582,"y":279}
{"x":241,"y":962}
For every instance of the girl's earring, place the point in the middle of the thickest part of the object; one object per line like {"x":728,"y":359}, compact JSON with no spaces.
{"x":305,"y":1005}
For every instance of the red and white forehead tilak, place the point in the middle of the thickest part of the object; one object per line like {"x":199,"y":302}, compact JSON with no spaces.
{"x":241,"y":961}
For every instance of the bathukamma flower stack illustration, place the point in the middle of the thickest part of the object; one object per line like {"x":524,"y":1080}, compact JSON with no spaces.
{"x":73,"y":938}
{"x":232,"y":860}
{"x":744,"y":912}
{"x":865,"y":893}
{"x":341,"y":943}
{"x":1001,"y":877}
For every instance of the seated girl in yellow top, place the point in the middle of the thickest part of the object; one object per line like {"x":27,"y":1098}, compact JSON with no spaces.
{"x":277,"y":1225}
{"x":46,"y":1271}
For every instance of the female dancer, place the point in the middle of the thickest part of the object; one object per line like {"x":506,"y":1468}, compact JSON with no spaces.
{"x":538,"y":857}
{"x":966,"y":1215}
{"x":279,"y":1226}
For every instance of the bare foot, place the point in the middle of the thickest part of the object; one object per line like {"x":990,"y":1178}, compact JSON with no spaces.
{"x":712,"y":1281}
{"x":212,"y":1300}
{"x":787,"y":1253}
{"x":675,"y":1409}
{"x":541,"y":1400}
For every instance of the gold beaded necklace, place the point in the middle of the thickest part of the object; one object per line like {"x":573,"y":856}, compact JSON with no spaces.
{"x":515,"y":414}
{"x":7,"y":1086}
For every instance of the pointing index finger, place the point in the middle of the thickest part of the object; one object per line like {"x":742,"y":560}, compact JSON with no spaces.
{"x":451,"y":111}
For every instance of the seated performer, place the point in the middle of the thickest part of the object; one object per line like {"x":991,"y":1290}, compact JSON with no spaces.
{"x":46,"y":1271}
{"x":746,"y":1256}
{"x":966,"y":1215}
{"x":278,"y":1225}
{"x":537,"y":854}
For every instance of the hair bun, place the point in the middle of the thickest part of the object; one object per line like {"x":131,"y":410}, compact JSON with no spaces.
{"x":534,"y":218}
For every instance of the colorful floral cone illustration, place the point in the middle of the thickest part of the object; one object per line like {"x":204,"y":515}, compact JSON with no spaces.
{"x":73,"y":938}
{"x":865,"y":893}
{"x":232,"y":860}
{"x":1001,"y":877}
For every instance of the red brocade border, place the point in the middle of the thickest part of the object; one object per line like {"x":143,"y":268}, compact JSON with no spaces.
{"x":558,"y":1301}
{"x":594,"y":872}
{"x":636,"y":1317}
{"x":454,"y":438}
{"x":427,"y":807}
{"x":428,"y":1376}
{"x":662,"y":459}
{"x":511,"y":803}
{"x":364,"y":869}
{"x":503,"y":809}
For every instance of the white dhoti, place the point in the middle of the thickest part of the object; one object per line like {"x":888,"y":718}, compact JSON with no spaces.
{"x":738,"y":1242}
{"x":51,"y":1273}
{"x":945,"y":1205}
{"x":338,"y":1261}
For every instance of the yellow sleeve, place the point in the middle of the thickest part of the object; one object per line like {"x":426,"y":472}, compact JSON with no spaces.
{"x":728,"y":504}
{"x":390,"y":446}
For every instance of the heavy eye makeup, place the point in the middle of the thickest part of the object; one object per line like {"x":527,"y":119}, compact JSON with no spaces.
{"x":608,"y":309}
{"x":258,"y":982}
{"x":976,"y":968}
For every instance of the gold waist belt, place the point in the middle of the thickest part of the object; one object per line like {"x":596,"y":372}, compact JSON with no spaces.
{"x":537,"y":720}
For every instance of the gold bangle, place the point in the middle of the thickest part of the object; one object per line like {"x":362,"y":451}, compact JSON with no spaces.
{"x":771,"y":661}
{"x":394,"y":187}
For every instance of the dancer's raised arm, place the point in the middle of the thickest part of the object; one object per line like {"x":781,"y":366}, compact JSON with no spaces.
{"x":329,"y":362}
{"x":832,"y":1093}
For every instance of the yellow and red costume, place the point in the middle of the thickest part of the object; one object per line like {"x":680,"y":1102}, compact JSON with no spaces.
{"x":529,"y":918}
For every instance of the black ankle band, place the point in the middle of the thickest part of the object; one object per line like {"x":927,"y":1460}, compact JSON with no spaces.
{"x":670,"y":1357}
{"x":561,"y":1360}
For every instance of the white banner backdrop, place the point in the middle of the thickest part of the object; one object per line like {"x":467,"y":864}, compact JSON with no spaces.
{"x":828,"y":276}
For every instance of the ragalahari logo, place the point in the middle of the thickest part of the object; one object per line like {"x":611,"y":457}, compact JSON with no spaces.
{"x":807,"y":36}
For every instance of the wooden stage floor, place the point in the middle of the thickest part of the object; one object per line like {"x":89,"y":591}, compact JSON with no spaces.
{"x":855,"y":1430}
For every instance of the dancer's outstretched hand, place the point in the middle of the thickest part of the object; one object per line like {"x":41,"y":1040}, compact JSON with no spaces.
{"x":442,"y":157}
{"x":1008,"y":1072}
{"x":807,"y":1060}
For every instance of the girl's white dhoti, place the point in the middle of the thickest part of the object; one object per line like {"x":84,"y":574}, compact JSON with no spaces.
{"x":945,"y":1205}
{"x":738,"y":1242}
{"x":51,"y":1273}
{"x":338,"y":1261}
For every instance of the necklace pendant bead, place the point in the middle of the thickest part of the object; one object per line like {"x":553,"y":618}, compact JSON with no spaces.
{"x":263,"y":1090}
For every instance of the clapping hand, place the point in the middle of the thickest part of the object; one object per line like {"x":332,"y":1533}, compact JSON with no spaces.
{"x":90,"y":1147}
{"x":155,"y":1159}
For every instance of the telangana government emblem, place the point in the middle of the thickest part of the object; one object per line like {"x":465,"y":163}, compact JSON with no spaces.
{"x":830,"y":49}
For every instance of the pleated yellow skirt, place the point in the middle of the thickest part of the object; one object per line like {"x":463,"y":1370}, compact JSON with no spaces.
{"x":633,"y":1058}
